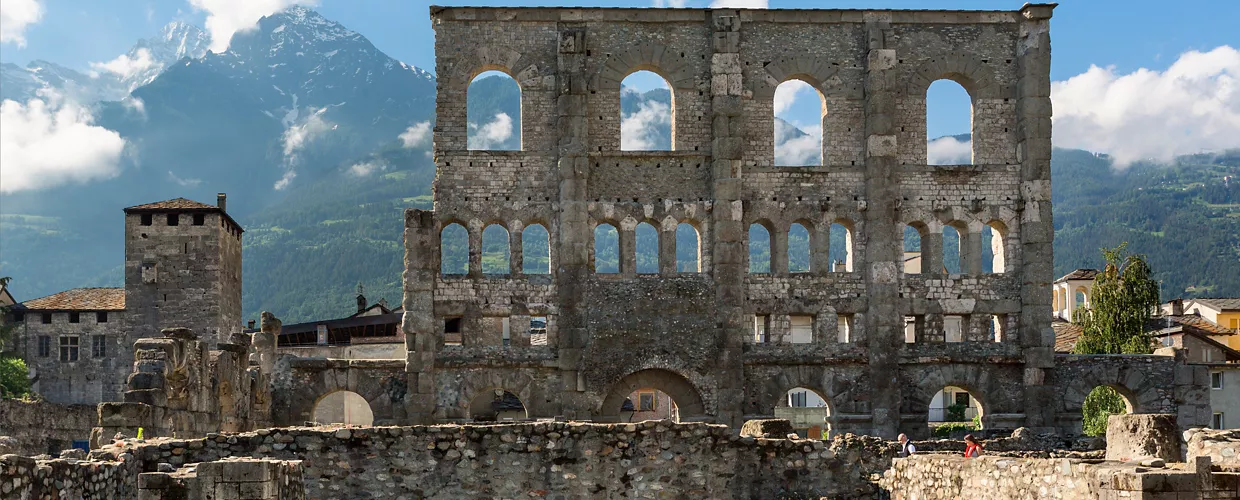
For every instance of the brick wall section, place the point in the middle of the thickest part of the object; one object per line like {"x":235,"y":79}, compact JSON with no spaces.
{"x":42,"y":427}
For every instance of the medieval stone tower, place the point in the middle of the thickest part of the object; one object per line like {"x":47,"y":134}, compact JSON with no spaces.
{"x":182,"y":269}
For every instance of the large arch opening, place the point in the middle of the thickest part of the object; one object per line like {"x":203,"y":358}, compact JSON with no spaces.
{"x":953,"y":247}
{"x":808,"y":412}
{"x":949,"y":118}
{"x":454,"y":250}
{"x":343,"y":407}
{"x":535,"y":250}
{"x":496,"y":252}
{"x":680,"y":393}
{"x":496,"y":405}
{"x":800,"y":112}
{"x":647,"y":113}
{"x":954,"y":412}
{"x":759,"y":249}
{"x":841,"y":251}
{"x":493,"y":112}
{"x":1102,"y":402}
{"x":914,"y":234}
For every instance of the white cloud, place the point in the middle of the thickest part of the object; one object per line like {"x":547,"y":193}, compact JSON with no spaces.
{"x":641,"y":130}
{"x":675,"y":4}
{"x":740,"y":4}
{"x":1192,"y":106}
{"x":285,"y":180}
{"x":296,"y":137}
{"x":15,"y":16}
{"x":949,"y":151}
{"x":492,"y":135}
{"x":225,"y":17}
{"x":792,"y":150}
{"x":183,"y":182}
{"x":367,"y":167}
{"x":135,"y":104}
{"x":45,"y":143}
{"x":417,"y":135}
{"x":787,"y":93}
{"x":124,"y":66}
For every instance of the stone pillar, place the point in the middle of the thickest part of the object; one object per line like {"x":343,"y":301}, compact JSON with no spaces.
{"x":779,"y":252}
{"x":932,"y":253}
{"x":1037,"y":231}
{"x":820,"y":249}
{"x":475,"y":248}
{"x":883,"y":250}
{"x":516,"y":252}
{"x":667,"y":248}
{"x":418,"y":321}
{"x":628,"y":251}
{"x":727,"y":89}
{"x":575,"y":234}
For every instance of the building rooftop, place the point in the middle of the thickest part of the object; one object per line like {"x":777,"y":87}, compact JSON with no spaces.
{"x":1079,"y":274}
{"x":1223,"y":304}
{"x":184,"y":205}
{"x":1066,"y":335}
{"x":80,"y":299}
{"x":1193,"y":321}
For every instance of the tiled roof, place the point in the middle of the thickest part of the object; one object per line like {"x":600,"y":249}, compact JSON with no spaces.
{"x":1066,"y":335}
{"x":1189,"y":320}
{"x":173,"y":204}
{"x":1225,"y":304}
{"x":1080,"y":274}
{"x":80,"y":299}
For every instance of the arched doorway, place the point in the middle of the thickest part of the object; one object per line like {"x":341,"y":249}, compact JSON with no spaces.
{"x":496,"y":405}
{"x":1102,"y":402}
{"x":681,"y":396}
{"x":343,"y":407}
{"x":807,"y":411}
{"x":954,"y":411}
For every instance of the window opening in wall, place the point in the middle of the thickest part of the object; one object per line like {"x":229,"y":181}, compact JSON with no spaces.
{"x":1099,"y":404}
{"x":759,"y":249}
{"x":761,"y":328}
{"x":949,"y":118}
{"x":146,"y":219}
{"x":98,"y":346}
{"x":647,"y":243}
{"x":606,"y":249}
{"x":75,"y":317}
{"x":910,"y":329}
{"x":953,"y":328}
{"x":841,"y":252}
{"x":993,"y":260}
{"x":493,"y":112}
{"x":1218,"y":422}
{"x":800,"y":113}
{"x":807,"y":411}
{"x":174,"y":219}
{"x":452,"y":331}
{"x":845,"y":324}
{"x":45,"y":346}
{"x":802,"y":329}
{"x":954,"y":404}
{"x":505,"y":334}
{"x":535,"y":250}
{"x":19,"y":317}
{"x":647,"y":113}
{"x":68,"y":348}
{"x":47,"y":318}
{"x":200,"y":219}
{"x":495,"y":250}
{"x":688,"y":249}
{"x":952,"y":252}
{"x":538,"y":330}
{"x":1216,"y":380}
{"x":646,"y":401}
{"x":454,"y":250}
{"x":998,"y":325}
{"x":798,"y":248}
{"x":649,"y":403}
{"x":912,"y":249}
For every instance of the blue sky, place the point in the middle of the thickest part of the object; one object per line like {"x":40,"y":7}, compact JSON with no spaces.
{"x":1127,"y":35}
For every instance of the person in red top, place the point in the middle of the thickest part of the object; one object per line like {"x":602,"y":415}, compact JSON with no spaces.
{"x":973,"y":448}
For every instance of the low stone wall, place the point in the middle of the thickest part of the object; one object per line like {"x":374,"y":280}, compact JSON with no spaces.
{"x":27,"y":478}
{"x":1023,"y":443}
{"x":944,"y":476}
{"x":1222,"y":446}
{"x":570,"y":460}
{"x":228,"y":479}
{"x":40,"y":427}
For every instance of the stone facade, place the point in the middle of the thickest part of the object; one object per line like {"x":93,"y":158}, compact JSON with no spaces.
{"x":691,"y":334}
{"x":39,"y":427}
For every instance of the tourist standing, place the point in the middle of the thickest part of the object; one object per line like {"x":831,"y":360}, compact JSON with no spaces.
{"x":972,"y":448}
{"x":906,"y":446}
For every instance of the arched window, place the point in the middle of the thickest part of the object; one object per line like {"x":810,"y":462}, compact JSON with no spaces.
{"x":949,"y":115}
{"x":798,"y":248}
{"x":759,"y":249}
{"x":535,"y":250}
{"x":454,"y":250}
{"x":1081,"y":298}
{"x":688,"y":249}
{"x":808,"y":412}
{"x":993,"y":260}
{"x":495,"y":250}
{"x":913,"y":257}
{"x":647,"y":113}
{"x":647,"y":248}
{"x":952,"y":251}
{"x":493,"y":110}
{"x":954,"y":405}
{"x":800,"y":112}
{"x":841,"y":253}
{"x":497,"y":405}
{"x":343,"y":407}
{"x":606,"y":249}
{"x":1102,"y":402}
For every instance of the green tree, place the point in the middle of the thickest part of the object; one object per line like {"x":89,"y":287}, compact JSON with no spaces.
{"x":1120,"y":303}
{"x":14,"y":379}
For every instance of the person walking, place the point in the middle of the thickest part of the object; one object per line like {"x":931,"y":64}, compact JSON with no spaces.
{"x":973,"y":449}
{"x":906,"y":446}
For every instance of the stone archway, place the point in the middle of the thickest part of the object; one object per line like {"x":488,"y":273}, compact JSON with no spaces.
{"x":380,"y":383}
{"x":687,"y":398}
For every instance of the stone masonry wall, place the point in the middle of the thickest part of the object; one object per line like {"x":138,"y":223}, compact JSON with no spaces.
{"x":42,"y":427}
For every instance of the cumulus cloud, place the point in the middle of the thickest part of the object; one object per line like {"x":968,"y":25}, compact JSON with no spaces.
{"x":949,"y":151}
{"x":135,"y":104}
{"x":1192,"y":106}
{"x":740,"y":4}
{"x":47,"y":142}
{"x":676,"y":4}
{"x":417,"y":135}
{"x":793,"y":149}
{"x":183,"y":182}
{"x":15,"y":17}
{"x":124,"y":66}
{"x":366,"y":168}
{"x":284,"y":181}
{"x":225,"y":17}
{"x":492,"y":135}
{"x":646,"y":129}
{"x":789,"y":92}
{"x":296,"y":138}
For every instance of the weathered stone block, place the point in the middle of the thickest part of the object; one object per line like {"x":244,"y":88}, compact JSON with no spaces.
{"x":1131,"y":437}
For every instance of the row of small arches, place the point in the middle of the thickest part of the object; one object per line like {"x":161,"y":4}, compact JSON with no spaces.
{"x":648,"y":118}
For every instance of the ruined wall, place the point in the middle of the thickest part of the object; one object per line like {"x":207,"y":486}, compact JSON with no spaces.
{"x":42,"y":427}
{"x":232,"y":478}
{"x":27,"y":478}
